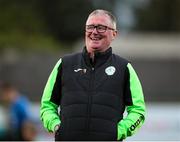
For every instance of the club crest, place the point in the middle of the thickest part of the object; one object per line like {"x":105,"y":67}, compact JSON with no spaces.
{"x":110,"y":70}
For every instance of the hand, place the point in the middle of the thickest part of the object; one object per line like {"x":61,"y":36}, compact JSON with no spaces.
{"x":56,"y":128}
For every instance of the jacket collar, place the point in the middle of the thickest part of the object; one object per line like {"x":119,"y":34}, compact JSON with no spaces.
{"x":99,"y":57}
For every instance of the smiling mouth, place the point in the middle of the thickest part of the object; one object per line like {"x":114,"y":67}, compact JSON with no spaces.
{"x":95,"y":38}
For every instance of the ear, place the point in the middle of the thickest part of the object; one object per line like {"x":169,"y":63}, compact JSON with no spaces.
{"x":114,"y":34}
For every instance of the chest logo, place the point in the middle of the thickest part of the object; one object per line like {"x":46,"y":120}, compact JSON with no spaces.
{"x":80,"y":70}
{"x":110,"y":70}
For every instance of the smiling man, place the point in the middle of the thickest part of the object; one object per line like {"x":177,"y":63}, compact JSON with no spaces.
{"x":93,"y":89}
{"x":101,"y":38}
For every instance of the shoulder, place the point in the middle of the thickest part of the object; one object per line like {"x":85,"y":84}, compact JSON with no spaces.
{"x":21,"y":103}
{"x":120,"y":60}
{"x":71,"y":58}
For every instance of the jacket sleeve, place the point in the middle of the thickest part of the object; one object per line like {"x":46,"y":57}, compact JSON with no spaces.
{"x":49,"y":106}
{"x":136,"y":109}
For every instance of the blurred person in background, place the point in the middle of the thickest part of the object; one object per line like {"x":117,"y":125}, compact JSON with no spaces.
{"x":20,"y":123}
{"x":93,"y":88}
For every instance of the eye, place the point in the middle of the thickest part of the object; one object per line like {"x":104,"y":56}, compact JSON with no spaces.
{"x":90,"y":27}
{"x":101,"y":27}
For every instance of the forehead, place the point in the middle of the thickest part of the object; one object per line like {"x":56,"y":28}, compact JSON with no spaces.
{"x":102,"y":19}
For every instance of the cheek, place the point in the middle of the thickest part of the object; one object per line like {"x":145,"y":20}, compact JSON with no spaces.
{"x":110,"y":38}
{"x":86,"y":37}
{"x":87,"y":34}
{"x":107,"y":40}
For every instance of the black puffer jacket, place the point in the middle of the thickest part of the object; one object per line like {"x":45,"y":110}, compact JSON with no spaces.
{"x":93,"y":96}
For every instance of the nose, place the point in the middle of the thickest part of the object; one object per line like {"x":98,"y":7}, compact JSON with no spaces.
{"x":95,"y":31}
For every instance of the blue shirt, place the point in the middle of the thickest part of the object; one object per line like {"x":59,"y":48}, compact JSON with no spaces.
{"x":19,"y":112}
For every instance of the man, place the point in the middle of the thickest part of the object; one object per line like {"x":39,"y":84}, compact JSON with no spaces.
{"x":93,"y":88}
{"x":18,"y":112}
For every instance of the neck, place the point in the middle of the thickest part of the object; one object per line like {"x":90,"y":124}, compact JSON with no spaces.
{"x":92,"y":55}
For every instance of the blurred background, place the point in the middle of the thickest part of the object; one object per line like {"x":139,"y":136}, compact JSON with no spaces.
{"x":35,"y":34}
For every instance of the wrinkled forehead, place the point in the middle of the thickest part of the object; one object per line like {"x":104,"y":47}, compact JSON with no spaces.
{"x":96,"y":19}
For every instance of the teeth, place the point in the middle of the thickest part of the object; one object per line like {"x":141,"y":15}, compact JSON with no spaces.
{"x":95,"y":39}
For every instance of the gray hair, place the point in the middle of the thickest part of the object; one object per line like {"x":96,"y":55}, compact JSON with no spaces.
{"x":105,"y":12}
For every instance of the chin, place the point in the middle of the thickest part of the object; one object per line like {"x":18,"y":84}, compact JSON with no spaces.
{"x":95,"y":48}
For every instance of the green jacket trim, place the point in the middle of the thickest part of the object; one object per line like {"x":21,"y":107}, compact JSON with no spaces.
{"x":49,"y":110}
{"x":136,"y":112}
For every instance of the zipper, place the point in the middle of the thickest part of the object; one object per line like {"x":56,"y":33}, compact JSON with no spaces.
{"x":91,"y":90}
